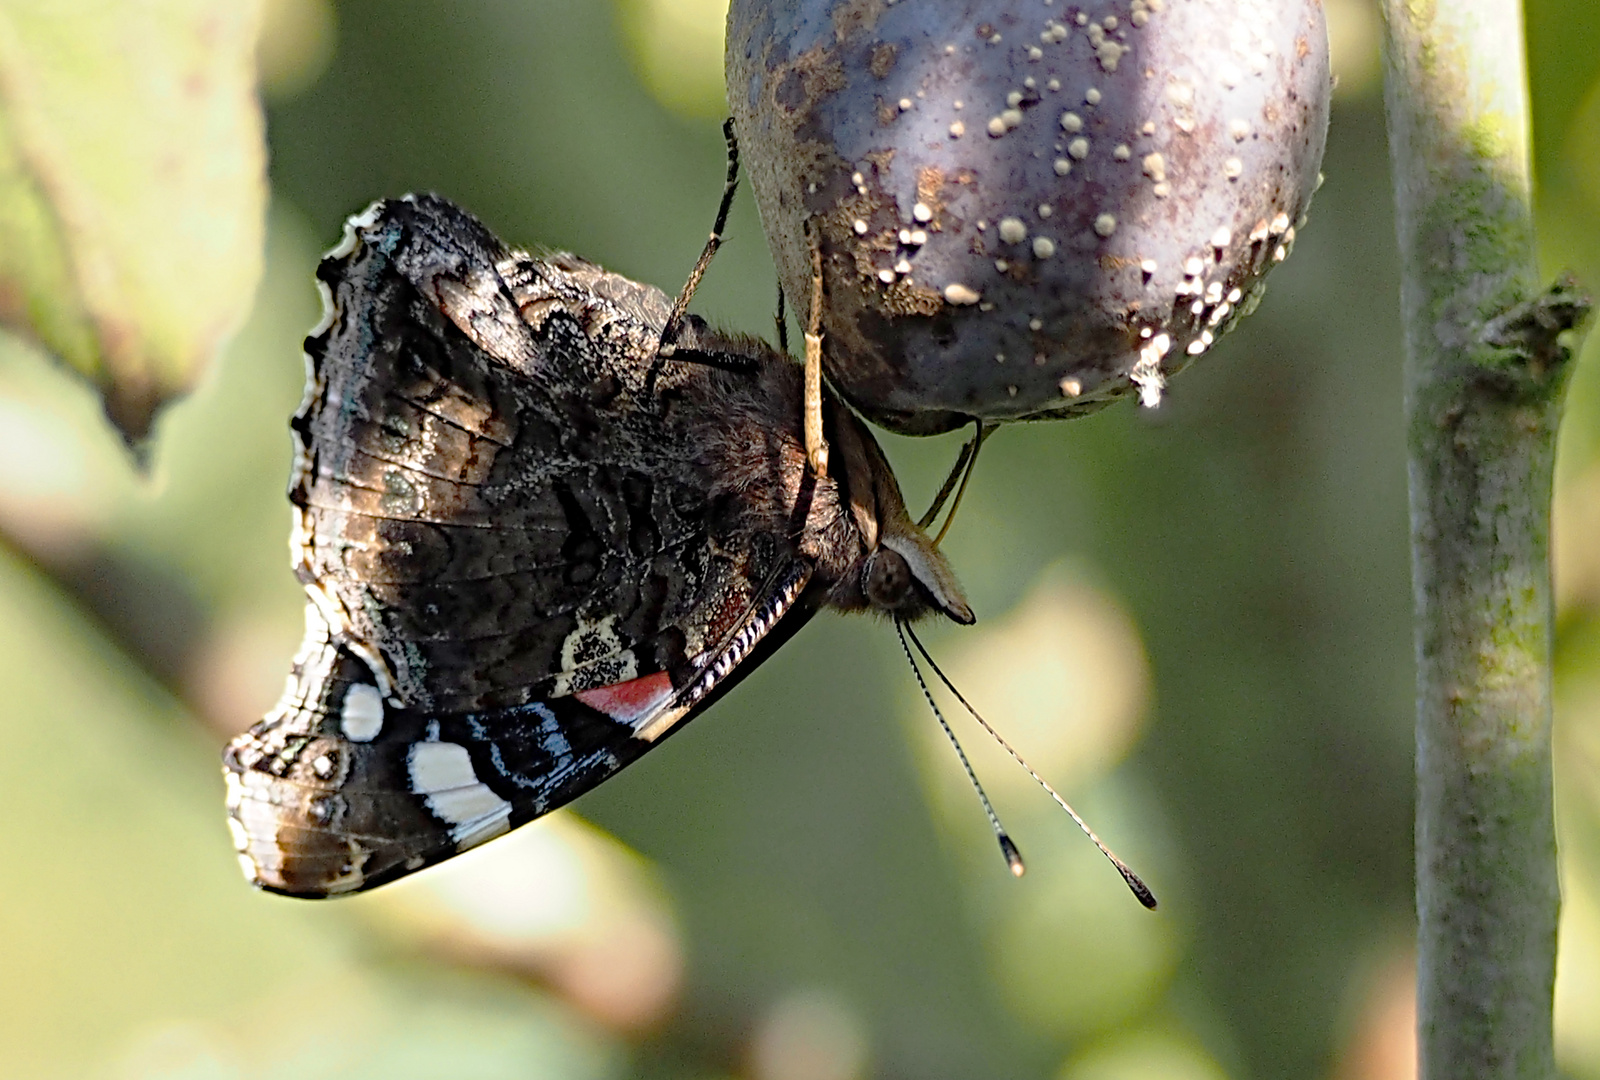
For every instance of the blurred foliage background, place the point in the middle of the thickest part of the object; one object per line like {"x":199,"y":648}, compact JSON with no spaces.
{"x":1195,"y":622}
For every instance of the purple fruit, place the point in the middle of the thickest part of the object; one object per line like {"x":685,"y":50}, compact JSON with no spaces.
{"x":1025,"y":210}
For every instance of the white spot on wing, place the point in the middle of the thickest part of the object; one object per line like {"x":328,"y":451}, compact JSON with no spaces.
{"x":442,"y":774}
{"x":361,"y":718}
{"x":593,"y":650}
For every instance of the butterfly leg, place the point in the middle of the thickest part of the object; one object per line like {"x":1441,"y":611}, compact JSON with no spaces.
{"x":680,"y":306}
{"x":816,"y":446}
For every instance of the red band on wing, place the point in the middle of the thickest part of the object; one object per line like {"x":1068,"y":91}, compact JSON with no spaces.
{"x":632,"y":701}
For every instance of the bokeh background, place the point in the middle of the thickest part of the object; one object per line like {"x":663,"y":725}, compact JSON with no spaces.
{"x":1194,"y":621}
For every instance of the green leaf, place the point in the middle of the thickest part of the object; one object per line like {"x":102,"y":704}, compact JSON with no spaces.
{"x":132,"y":188}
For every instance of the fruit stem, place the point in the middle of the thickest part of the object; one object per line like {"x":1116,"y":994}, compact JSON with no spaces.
{"x":1487,"y":357}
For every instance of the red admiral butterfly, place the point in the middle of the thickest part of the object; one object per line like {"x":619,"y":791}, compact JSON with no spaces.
{"x":533,"y":547}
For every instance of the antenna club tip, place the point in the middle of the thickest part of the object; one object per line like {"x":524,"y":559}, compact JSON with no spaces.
{"x":1142,"y":893}
{"x":1013,"y":857}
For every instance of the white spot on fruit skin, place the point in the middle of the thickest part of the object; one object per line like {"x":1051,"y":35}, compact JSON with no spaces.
{"x":1105,"y":224}
{"x":1233,"y":168}
{"x":442,"y":774}
{"x":1012,"y":230}
{"x":1078,"y":148}
{"x":1043,"y":247}
{"x":921,"y":212}
{"x":957,"y":293}
{"x":957,"y":129}
{"x":1071,"y":387}
{"x":361,"y":716}
{"x":1071,"y":121}
{"x":1155,"y":167}
{"x":1147,"y":376}
{"x":1063,"y":166}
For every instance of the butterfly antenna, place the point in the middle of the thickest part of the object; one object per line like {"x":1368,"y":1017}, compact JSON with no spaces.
{"x":1134,"y":882}
{"x":674,"y":324}
{"x":1007,"y":848}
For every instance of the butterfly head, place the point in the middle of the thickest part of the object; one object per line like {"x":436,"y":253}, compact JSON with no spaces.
{"x":903,"y":575}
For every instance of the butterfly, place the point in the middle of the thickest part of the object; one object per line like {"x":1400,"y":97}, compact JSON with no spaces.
{"x":533,"y":546}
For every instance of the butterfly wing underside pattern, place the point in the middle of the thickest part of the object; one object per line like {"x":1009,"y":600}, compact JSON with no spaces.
{"x":525,"y":560}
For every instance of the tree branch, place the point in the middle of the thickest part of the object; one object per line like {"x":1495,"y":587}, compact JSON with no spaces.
{"x":1487,"y":355}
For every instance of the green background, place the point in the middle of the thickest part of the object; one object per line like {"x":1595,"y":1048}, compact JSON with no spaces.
{"x":1212,"y":599}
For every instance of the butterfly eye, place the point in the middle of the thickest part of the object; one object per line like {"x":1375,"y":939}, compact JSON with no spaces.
{"x":888,"y":580}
